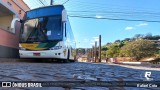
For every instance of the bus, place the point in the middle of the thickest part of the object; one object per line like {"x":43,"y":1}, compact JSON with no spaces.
{"x":46,"y":33}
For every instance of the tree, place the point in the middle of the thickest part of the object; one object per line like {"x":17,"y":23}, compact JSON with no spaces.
{"x":122,"y":44}
{"x":139,"y":49}
{"x":150,"y":37}
{"x":127,"y":39}
{"x":138,"y":36}
{"x":156,"y":37}
{"x":103,"y":54}
{"x":113,"y":50}
{"x":104,"y":48}
{"x":81,"y":50}
{"x":108,"y":44}
{"x":117,"y":41}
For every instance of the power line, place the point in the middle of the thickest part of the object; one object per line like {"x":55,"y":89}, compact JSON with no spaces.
{"x":41,"y":2}
{"x":102,"y":7}
{"x":91,"y":13}
{"x":33,"y":4}
{"x":116,"y":12}
{"x":45,"y":2}
{"x":65,"y":2}
{"x":117,"y":15}
{"x":115,"y":6}
{"x":115,"y":19}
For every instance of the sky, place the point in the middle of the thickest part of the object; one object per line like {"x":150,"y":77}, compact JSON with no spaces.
{"x":100,"y":12}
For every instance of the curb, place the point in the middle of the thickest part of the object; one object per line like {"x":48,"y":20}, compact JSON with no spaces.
{"x":8,"y":60}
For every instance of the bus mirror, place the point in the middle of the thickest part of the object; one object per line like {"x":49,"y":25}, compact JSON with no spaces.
{"x":13,"y":23}
{"x":64,"y":16}
{"x":21,"y":21}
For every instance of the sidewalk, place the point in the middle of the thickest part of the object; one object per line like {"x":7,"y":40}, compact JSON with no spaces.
{"x":144,"y":64}
{"x":140,"y":66}
{"x":8,"y":60}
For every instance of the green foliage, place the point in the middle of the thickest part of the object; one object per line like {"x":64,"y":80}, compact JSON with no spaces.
{"x":113,"y":50}
{"x":81,"y":50}
{"x":138,"y":36}
{"x":150,"y":37}
{"x":132,"y":47}
{"x":103,"y":54}
{"x":104,"y":48}
{"x":157,"y":55}
{"x":139,"y":49}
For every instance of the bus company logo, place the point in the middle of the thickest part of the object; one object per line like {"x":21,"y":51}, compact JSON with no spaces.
{"x":148,"y":76}
{"x":6,"y":84}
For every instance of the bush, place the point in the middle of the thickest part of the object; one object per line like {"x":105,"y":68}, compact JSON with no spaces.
{"x":139,"y":49}
{"x":113,"y":51}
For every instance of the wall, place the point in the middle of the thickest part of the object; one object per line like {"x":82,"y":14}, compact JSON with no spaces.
{"x":9,"y":41}
{"x":16,"y":6}
{"x":5,"y":22}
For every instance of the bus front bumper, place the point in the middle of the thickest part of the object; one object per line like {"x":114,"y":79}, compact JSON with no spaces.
{"x":42,"y":54}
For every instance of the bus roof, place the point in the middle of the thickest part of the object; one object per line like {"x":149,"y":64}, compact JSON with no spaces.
{"x":44,"y":11}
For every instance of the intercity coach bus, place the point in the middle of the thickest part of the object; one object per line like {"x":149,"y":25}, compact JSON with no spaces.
{"x":46,"y":33}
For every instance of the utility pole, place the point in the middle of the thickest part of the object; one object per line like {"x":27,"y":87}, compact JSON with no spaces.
{"x":89,"y":53}
{"x":92,"y":53}
{"x":51,"y":2}
{"x":95,"y":52}
{"x":99,"y":48}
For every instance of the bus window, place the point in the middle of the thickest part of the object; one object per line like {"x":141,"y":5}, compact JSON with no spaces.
{"x":65,"y":29}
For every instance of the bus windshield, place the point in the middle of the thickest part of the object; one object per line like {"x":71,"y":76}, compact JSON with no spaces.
{"x":41,"y":29}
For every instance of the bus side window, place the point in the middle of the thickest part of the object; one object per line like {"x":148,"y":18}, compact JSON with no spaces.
{"x":65,"y":29}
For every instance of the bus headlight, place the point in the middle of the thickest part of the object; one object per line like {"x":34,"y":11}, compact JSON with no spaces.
{"x":21,"y":48}
{"x":56,"y":48}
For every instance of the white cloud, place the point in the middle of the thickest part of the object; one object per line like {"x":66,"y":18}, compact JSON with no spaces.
{"x":98,"y":16}
{"x":96,"y":38}
{"x":92,"y":41}
{"x":142,"y":24}
{"x":129,"y":28}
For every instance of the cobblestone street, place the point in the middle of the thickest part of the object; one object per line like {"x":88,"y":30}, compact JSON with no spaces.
{"x":39,"y":71}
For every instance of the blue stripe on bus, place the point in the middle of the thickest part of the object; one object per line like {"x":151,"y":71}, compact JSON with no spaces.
{"x":47,"y":11}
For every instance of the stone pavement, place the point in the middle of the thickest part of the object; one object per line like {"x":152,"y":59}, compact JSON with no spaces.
{"x":40,"y":71}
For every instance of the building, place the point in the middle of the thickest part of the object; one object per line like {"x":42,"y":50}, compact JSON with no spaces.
{"x":83,"y":58}
{"x":9,"y":38}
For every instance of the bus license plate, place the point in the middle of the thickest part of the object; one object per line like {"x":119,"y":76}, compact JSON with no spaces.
{"x":36,"y":54}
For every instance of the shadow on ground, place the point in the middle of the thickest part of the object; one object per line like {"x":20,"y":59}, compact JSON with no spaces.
{"x":31,"y":60}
